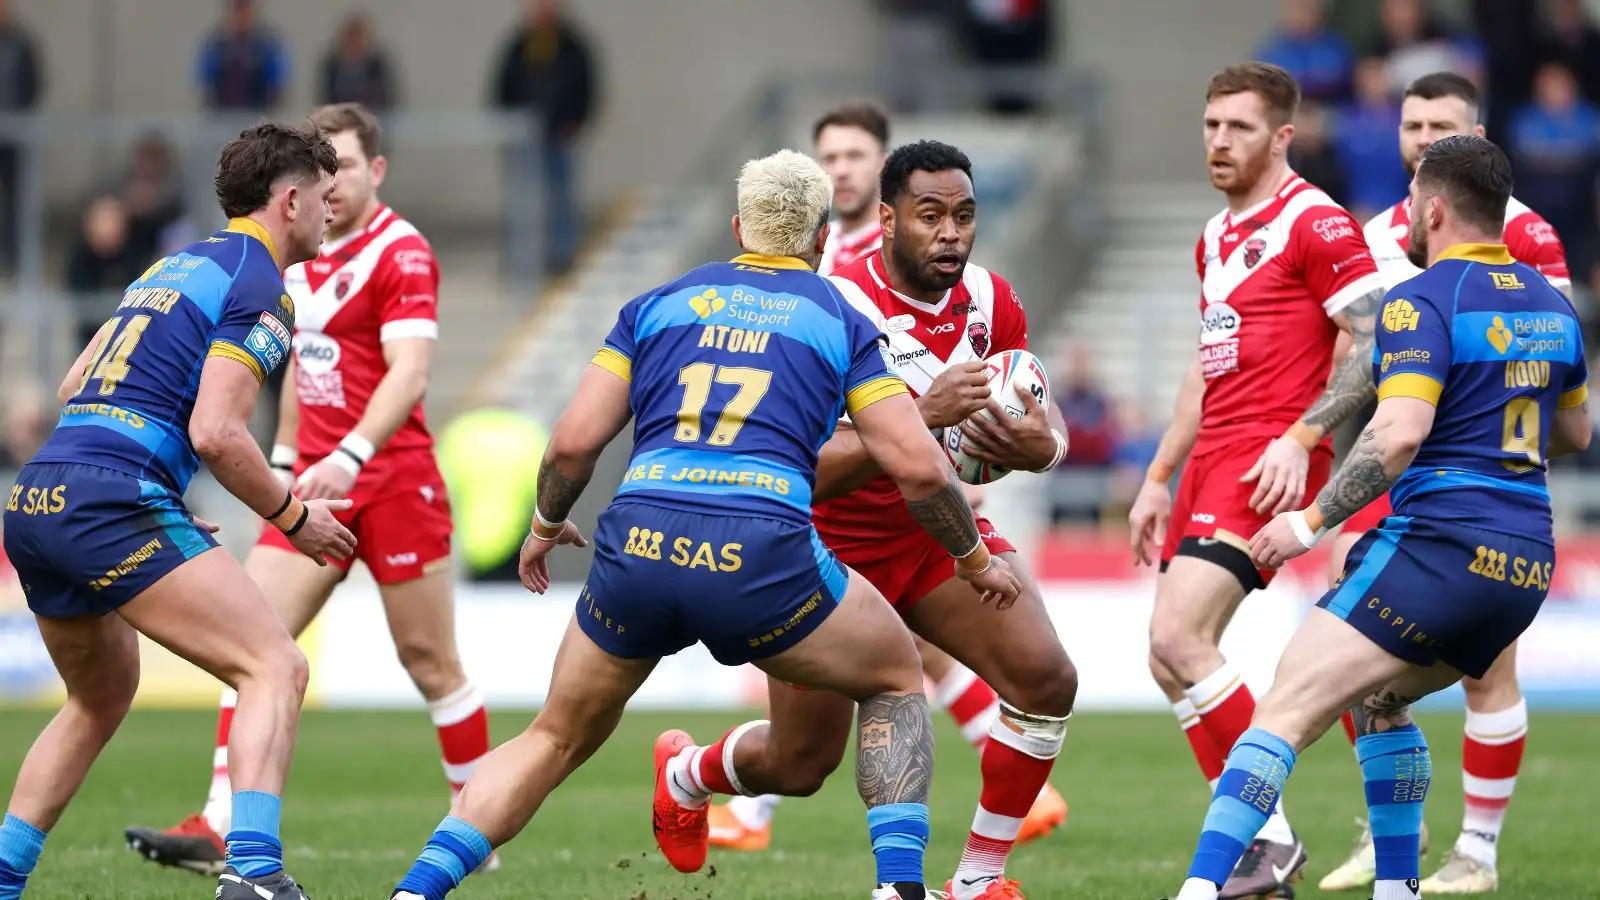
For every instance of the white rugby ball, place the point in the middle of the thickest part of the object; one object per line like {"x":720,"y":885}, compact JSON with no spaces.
{"x":1006,"y":371}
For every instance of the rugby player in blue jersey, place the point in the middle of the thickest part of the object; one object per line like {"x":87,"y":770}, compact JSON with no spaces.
{"x":101,"y":539}
{"x":1481,"y":380}
{"x":735,"y":374}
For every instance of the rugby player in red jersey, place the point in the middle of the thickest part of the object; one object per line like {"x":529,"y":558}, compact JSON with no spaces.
{"x":1283,"y":271}
{"x":351,"y":425}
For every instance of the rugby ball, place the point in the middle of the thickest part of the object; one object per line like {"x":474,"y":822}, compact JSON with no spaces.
{"x":1006,"y":371}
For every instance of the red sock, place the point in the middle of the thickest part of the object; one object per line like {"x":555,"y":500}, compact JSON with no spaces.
{"x":219,"y":761}
{"x":709,"y":764}
{"x":463,"y":725}
{"x":970,"y":701}
{"x":1491,"y":756}
{"x":218,"y":811}
{"x":1205,"y":750}
{"x":1348,"y":720}
{"x":1225,"y":705}
{"x":1015,"y":768}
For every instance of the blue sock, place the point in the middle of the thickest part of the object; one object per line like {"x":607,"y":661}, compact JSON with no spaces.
{"x":1257,"y":768}
{"x":1397,"y":770}
{"x":455,"y":851}
{"x":254,"y":848}
{"x":899,"y":839}
{"x":20,"y":844}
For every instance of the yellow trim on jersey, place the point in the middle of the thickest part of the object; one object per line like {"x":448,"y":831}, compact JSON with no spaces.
{"x":1411,"y":384}
{"x":864,"y":395}
{"x":227,"y":350}
{"x":771,"y":262}
{"x":256,"y":230}
{"x":1489,"y":254}
{"x":1578,"y":396}
{"x":614,"y":362}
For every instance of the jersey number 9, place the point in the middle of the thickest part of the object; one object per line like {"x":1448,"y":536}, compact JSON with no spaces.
{"x":1521,"y":435}
{"x":110,"y":362}
{"x":696,"y":380}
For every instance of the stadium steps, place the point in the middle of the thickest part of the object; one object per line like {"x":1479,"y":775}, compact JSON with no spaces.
{"x":1139,"y":315}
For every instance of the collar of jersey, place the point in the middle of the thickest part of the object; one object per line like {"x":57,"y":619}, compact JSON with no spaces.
{"x":253,"y":228}
{"x":1489,"y":254}
{"x":770,"y":262}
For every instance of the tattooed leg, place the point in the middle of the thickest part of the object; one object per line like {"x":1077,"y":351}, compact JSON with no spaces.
{"x":895,"y":762}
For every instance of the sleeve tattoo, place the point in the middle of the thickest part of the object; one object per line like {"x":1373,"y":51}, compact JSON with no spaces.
{"x":1351,"y":385}
{"x":895,"y":754}
{"x":557,"y":493}
{"x":1358,"y":482}
{"x":948,"y":518}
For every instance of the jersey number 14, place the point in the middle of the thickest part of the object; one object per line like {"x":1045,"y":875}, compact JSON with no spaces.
{"x":696,"y":379}
{"x":110,"y":362}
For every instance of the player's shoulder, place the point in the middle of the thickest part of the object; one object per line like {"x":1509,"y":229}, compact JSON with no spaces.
{"x":990,"y":292}
{"x":1525,"y":226}
{"x":1310,"y":212}
{"x":400,"y":243}
{"x":1383,"y":222}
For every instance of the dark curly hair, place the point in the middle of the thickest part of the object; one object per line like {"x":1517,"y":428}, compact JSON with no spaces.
{"x":923,"y":156}
{"x":263,"y":155}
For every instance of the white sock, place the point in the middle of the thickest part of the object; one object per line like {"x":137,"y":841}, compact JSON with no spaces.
{"x":1477,"y":847}
{"x":1277,"y":829}
{"x":682,"y":783}
{"x":1394,"y":889}
{"x":218,"y":811}
{"x":1197,"y":889}
{"x":754,"y":813}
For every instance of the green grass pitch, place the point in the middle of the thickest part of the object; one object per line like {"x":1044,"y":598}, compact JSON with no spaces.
{"x":366,"y":790}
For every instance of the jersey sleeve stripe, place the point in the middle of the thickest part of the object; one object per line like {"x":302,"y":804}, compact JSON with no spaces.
{"x":614,"y":362}
{"x":864,"y":395}
{"x":1411,"y":384}
{"x":1575,"y":397}
{"x":229,"y":350}
{"x":408,"y":328}
{"x":1352,"y":292}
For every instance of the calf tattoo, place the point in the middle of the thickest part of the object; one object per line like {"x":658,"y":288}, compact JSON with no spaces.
{"x":1382,"y":710}
{"x":895,"y":762}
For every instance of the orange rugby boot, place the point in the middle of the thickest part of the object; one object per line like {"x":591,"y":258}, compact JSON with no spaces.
{"x":999,"y":888}
{"x":191,"y":844}
{"x":727,"y":831}
{"x":681,"y":833}
{"x":1047,"y":814}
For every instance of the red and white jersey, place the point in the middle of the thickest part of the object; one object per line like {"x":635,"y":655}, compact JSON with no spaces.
{"x":1528,"y":236}
{"x":979,"y":317}
{"x":375,"y":285}
{"x":1272,"y":278}
{"x":843,"y":248}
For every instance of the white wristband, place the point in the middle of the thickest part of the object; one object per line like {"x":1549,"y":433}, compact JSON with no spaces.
{"x":359,"y":446}
{"x":1302,"y":529}
{"x":546,"y":523}
{"x":283,"y":456}
{"x":343,"y":461}
{"x":1061,"y":451}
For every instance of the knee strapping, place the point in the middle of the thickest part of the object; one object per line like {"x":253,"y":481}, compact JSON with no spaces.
{"x":1038,"y":736}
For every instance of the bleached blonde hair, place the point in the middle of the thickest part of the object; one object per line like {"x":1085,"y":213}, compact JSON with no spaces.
{"x":784,"y":199}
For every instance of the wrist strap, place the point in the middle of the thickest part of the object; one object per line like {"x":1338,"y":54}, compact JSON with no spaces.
{"x":288,"y":498}
{"x":1304,"y":435}
{"x":359,"y":448}
{"x":1159,"y":471}
{"x":1061,"y":451}
{"x":975,"y":561}
{"x":292,"y":510}
{"x":1302,"y":529}
{"x":544,"y":529}
{"x":283,"y":456}
{"x":299,"y":523}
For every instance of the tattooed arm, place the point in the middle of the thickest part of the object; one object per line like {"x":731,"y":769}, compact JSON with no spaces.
{"x":597,"y":414}
{"x":1387,"y":446}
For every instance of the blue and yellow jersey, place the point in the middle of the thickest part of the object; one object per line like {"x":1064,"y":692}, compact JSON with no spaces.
{"x":737,"y":373}
{"x":222,"y":296}
{"x":1496,"y":349}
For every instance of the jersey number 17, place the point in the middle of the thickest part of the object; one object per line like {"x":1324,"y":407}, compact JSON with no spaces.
{"x":696,"y":379}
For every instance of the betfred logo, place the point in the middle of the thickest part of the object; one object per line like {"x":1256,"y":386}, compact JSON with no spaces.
{"x":315,"y":352}
{"x":1218,"y":323}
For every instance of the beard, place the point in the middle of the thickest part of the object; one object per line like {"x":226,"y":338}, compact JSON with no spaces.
{"x":919,"y":277}
{"x":1417,"y":244}
{"x":1243,"y":176}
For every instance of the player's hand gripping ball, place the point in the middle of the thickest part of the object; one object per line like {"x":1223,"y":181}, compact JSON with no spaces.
{"x":1006,"y":372}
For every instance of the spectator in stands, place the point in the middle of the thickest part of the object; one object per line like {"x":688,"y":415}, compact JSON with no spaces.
{"x":20,"y":86}
{"x":1086,"y":410}
{"x":1319,"y":59}
{"x":27,"y":424}
{"x":356,"y":70}
{"x":242,"y":66}
{"x":151,"y":191}
{"x":1137,"y":441}
{"x":547,"y":68}
{"x":1414,"y":43}
{"x":1555,"y":152}
{"x":1006,"y":35}
{"x":1312,"y":155}
{"x":1374,"y":174}
{"x":1570,"y":38}
{"x":101,"y":261}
